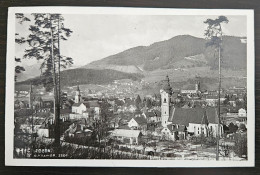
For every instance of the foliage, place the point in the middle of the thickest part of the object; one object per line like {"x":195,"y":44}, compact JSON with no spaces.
{"x":214,"y":36}
{"x":148,"y":102}
{"x":232,"y":128}
{"x":167,"y":54}
{"x":241,"y":144}
{"x":208,"y":141}
{"x":19,"y":40}
{"x":138,"y":101}
{"x":71,"y":77}
{"x":242,"y":127}
{"x":214,"y":31}
{"x":21,"y":18}
{"x":46,"y":32}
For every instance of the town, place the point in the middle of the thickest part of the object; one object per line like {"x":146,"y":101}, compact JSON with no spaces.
{"x":113,"y":122}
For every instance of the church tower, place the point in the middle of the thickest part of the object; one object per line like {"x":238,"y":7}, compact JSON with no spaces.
{"x":77,"y":96}
{"x":197,"y":86}
{"x":166,"y":93}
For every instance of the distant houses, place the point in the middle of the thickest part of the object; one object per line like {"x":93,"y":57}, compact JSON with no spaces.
{"x":172,"y":115}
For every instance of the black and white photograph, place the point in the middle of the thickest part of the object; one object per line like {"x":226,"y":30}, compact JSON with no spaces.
{"x":103,"y":86}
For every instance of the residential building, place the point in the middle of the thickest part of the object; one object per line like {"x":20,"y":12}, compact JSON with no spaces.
{"x":138,"y":123}
{"x":127,"y":136}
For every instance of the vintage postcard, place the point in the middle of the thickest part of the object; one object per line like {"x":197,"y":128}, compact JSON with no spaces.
{"x":130,"y":87}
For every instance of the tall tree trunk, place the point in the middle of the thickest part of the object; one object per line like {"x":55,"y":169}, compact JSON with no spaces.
{"x":56,"y":100}
{"x":219,"y":88}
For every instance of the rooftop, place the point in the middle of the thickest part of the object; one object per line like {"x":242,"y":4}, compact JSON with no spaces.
{"x":125,"y":133}
{"x":184,"y":116}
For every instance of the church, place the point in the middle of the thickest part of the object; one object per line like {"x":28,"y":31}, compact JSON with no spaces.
{"x":186,"y":121}
{"x":80,"y":106}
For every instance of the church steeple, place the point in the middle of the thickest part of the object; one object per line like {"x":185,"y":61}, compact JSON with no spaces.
{"x":77,"y":96}
{"x":167,"y":87}
{"x":78,"y":87}
{"x":166,"y":94}
{"x":197,"y":86}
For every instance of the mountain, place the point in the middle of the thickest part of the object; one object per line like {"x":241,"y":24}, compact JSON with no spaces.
{"x":182,"y":50}
{"x":72,"y":77}
{"x":30,"y":72}
{"x":182,"y":57}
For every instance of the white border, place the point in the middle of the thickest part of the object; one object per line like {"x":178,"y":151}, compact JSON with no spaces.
{"x":9,"y":109}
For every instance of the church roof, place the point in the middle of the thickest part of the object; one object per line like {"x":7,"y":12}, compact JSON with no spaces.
{"x":184,"y":116}
{"x":167,"y":87}
{"x":90,"y":104}
{"x":180,"y":128}
{"x":76,"y":104}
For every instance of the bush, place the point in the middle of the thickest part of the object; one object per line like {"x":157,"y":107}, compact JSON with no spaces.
{"x":209,"y":141}
{"x":241,"y":144}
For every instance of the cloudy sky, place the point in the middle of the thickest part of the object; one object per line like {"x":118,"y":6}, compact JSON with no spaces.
{"x":97,"y":36}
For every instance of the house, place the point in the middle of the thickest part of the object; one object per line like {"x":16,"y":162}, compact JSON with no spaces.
{"x":81,"y":107}
{"x":197,"y":120}
{"x":138,"y":123}
{"x":174,"y":132}
{"x":95,"y":105}
{"x":242,"y":117}
{"x":127,"y":136}
{"x":212,"y":100}
{"x":47,"y":104}
{"x":153,"y":116}
{"x":131,"y":108}
{"x":192,"y":91}
{"x":241,"y":112}
{"x":65,"y":114}
{"x":78,"y":129}
{"x":232,"y":100}
{"x":43,"y":131}
{"x":115,"y":122}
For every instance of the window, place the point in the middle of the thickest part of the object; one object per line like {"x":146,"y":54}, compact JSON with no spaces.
{"x":164,"y":100}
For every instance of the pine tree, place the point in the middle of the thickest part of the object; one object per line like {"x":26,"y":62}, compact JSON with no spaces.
{"x":138,"y":101}
{"x":214,"y":35}
{"x":44,"y":45}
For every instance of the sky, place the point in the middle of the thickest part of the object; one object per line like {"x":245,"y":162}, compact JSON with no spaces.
{"x":97,"y":36}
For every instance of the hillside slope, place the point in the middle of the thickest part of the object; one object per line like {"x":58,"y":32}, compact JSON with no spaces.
{"x":89,"y":76}
{"x":169,"y":52}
